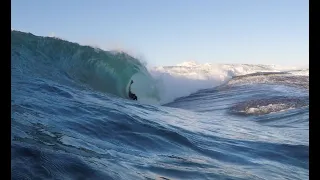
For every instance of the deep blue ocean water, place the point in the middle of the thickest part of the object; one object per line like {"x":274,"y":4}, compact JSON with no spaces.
{"x":71,"y":120}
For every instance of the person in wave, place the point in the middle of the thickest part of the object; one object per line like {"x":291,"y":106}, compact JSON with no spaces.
{"x":131,"y":95}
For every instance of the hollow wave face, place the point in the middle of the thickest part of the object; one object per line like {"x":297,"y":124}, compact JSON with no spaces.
{"x":67,"y":62}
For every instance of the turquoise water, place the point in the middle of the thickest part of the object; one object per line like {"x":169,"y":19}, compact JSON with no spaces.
{"x":71,"y":119}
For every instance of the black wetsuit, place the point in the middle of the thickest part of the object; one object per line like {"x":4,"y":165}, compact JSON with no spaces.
{"x":131,"y":95}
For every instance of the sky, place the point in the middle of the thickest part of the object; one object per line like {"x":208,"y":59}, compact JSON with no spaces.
{"x":168,"y":32}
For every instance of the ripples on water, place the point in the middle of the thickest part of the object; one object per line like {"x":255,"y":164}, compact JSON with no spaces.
{"x":68,"y":133}
{"x":64,"y":125}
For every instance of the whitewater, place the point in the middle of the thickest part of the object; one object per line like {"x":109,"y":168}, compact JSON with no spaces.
{"x":71,"y":116}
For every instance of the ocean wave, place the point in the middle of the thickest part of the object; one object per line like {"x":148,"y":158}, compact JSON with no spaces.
{"x":111,"y":71}
{"x":70,"y":118}
{"x":189,"y":77}
{"x":63,"y":61}
{"x":280,"y":78}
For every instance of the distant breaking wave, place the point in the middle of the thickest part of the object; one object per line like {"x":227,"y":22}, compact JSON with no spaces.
{"x":189,"y":77}
{"x":282,"y":78}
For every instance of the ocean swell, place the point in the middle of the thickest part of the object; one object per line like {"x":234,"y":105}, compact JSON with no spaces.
{"x":67,"y":62}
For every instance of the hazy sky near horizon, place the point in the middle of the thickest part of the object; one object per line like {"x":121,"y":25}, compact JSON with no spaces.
{"x":168,"y":32}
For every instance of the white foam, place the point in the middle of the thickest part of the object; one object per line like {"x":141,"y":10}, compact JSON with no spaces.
{"x":189,"y":77}
{"x":270,"y":108}
{"x":174,"y":86}
{"x":303,"y":72}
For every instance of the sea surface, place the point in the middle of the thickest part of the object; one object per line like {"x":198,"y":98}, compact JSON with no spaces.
{"x":71,"y":117}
